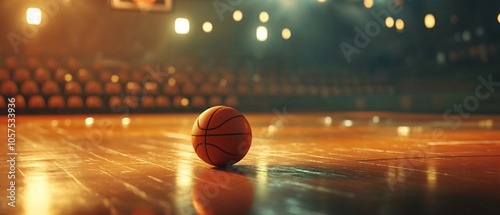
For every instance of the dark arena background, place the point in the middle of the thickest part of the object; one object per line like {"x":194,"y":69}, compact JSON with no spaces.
{"x":355,"y":106}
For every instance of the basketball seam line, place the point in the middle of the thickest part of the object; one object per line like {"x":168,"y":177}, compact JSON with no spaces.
{"x":230,"y":134}
{"x":206,"y":131}
{"x":211,"y":144}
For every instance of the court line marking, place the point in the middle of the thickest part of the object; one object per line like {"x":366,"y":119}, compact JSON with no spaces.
{"x":429,"y":157}
{"x":444,"y":143}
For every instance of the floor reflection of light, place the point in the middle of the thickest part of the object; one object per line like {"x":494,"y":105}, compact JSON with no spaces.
{"x":417,"y":129}
{"x":488,"y":123}
{"x":125,"y":122}
{"x":37,"y":198}
{"x":347,"y":123}
{"x":184,"y":177}
{"x":403,"y":131}
{"x":262,"y":178}
{"x":431,"y":176}
{"x":327,"y":121}
{"x":54,"y":123}
{"x":89,"y":121}
{"x":375,"y":119}
{"x":271,"y":129}
{"x":183,"y":181}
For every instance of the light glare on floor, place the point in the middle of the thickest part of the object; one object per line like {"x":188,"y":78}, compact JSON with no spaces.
{"x":125,"y":121}
{"x":89,"y":121}
{"x":327,"y":121}
{"x":403,"y":131}
{"x":347,"y":123}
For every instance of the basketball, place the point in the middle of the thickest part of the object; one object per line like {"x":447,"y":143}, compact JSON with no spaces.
{"x":221,"y":136}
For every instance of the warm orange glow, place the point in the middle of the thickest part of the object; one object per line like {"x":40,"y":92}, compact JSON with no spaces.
{"x":184,"y":102}
{"x":114,"y":78}
{"x":68,"y":77}
{"x":171,"y":82}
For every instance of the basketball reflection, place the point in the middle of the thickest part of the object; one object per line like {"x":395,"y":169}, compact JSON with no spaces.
{"x":222,"y":192}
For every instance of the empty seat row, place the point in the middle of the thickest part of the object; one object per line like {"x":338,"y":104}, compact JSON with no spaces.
{"x":113,"y":102}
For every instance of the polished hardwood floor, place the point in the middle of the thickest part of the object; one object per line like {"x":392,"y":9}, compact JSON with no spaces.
{"x":299,"y":163}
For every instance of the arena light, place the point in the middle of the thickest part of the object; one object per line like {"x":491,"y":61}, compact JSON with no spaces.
{"x":33,"y":16}
{"x":237,"y":15}
{"x":389,"y":22}
{"x":286,"y":33}
{"x":181,"y":26}
{"x":184,"y":102}
{"x":498,"y":18}
{"x":321,"y":1}
{"x":429,"y":21}
{"x":207,"y":27}
{"x":400,"y":25}
{"x":368,"y":3}
{"x":114,"y":78}
{"x":264,"y":16}
{"x":261,"y":33}
{"x":68,"y":77}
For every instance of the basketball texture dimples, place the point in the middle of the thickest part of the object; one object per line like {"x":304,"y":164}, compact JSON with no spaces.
{"x":221,"y":136}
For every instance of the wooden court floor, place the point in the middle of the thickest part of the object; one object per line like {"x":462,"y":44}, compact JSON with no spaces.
{"x":299,"y":163}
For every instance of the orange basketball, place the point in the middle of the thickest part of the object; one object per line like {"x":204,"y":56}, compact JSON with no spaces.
{"x":221,"y":136}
